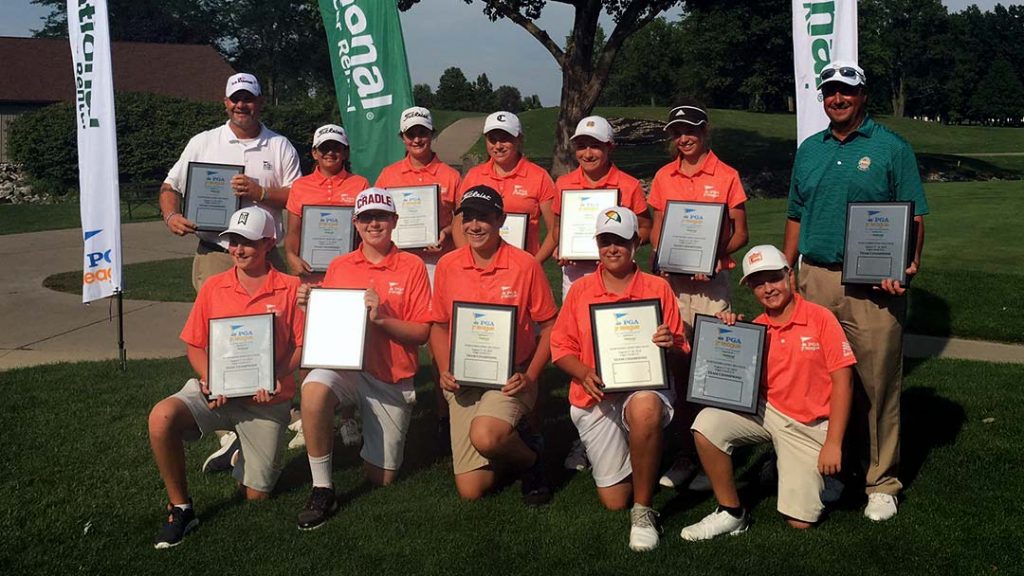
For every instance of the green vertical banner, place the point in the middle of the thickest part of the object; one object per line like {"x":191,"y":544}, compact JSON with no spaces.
{"x":371,"y":78}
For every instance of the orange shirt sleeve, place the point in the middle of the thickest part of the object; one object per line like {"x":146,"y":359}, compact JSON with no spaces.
{"x":547,"y":187}
{"x":440,"y":303}
{"x":417,"y":299}
{"x":633,"y":197}
{"x":542,"y":301}
{"x":294,"y":204}
{"x":197,"y":328}
{"x":838,"y":353}
{"x":670,"y":316}
{"x":565,"y":336}
{"x":659,"y":186}
{"x":736,"y":194}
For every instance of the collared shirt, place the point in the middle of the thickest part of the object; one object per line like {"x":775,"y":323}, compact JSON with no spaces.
{"x":522,"y":190}
{"x":400,"y":279}
{"x":269,"y":158}
{"x":403,"y":173}
{"x":873,"y":164}
{"x":573,"y":334}
{"x":514,"y":278}
{"x":631,"y":193}
{"x":318,"y":188}
{"x":802,"y":353}
{"x":222,"y":296}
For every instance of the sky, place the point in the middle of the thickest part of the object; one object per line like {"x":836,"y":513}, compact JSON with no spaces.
{"x":444,"y":33}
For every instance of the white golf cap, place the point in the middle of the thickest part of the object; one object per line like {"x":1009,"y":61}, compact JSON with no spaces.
{"x":506,"y":121}
{"x":617,"y":220}
{"x":845,"y":72}
{"x":374,"y":199}
{"x":761,"y":258}
{"x":416,"y":116}
{"x":597,"y":128}
{"x":242,"y":81}
{"x":329,"y":132}
{"x":253,"y":223}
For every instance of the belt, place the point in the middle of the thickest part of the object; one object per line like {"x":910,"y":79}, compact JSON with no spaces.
{"x":835,"y":266}
{"x":210,"y":247}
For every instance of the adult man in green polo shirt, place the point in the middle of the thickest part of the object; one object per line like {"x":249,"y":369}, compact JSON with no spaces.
{"x":857,"y":160}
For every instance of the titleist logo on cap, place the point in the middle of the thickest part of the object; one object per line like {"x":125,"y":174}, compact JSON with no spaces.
{"x":415,"y":114}
{"x":374,"y":198}
{"x":328,"y":130}
{"x":478,"y":194}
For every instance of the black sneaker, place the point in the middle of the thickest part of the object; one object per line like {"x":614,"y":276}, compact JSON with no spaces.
{"x":320,"y":506}
{"x":223,"y":458}
{"x":179,"y":522}
{"x":534,"y":486}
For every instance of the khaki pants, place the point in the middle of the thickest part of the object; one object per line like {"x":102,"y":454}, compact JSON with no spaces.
{"x":873,"y":322}
{"x":697,"y":297}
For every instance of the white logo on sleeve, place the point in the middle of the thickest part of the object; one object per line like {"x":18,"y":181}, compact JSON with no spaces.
{"x":847,"y":350}
{"x":809,"y":344}
{"x":395,"y":288}
{"x":509,"y":293}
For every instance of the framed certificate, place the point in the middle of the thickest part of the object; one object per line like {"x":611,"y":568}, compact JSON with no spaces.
{"x":626,"y":359}
{"x":690,"y":237}
{"x":209,"y":199}
{"x":513,"y":230}
{"x":241,"y":355}
{"x":879,"y":242}
{"x":418,"y":216}
{"x":727,"y":364}
{"x":327,"y":233}
{"x":335,"y":333}
{"x":579,"y":219}
{"x":483,"y":344}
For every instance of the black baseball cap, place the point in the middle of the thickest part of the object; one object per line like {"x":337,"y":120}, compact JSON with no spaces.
{"x":482,"y":199}
{"x":691,"y":115}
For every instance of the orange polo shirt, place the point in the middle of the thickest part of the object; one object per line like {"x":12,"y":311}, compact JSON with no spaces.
{"x":572,"y":334}
{"x":802,"y":353}
{"x":403,"y":173}
{"x":400,"y":279}
{"x":222,"y":296}
{"x":338,"y":190}
{"x":514,"y":277}
{"x":631,"y":193}
{"x":522,"y":190}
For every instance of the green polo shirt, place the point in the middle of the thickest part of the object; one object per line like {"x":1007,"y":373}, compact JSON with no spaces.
{"x":874,"y":164}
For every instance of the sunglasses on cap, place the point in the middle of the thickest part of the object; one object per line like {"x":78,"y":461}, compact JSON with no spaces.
{"x":844,"y":71}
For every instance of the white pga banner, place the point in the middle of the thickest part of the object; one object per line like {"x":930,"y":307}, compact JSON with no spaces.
{"x":823,"y":31}
{"x":97,"y":148}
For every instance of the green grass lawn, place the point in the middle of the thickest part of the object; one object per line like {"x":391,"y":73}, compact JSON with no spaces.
{"x":83,"y":496}
{"x":21,"y":218}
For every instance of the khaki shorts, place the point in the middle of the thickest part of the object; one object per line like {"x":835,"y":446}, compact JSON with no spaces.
{"x":469,"y":402}
{"x":605,"y":434}
{"x":260,"y":430}
{"x":386,"y":411}
{"x":797,"y":446}
{"x":696,"y":297}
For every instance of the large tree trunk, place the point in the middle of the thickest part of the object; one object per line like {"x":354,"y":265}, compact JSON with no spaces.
{"x":579,"y":91}
{"x":899,"y":97}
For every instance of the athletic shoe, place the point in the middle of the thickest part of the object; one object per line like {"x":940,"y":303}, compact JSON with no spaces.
{"x":700,"y":483}
{"x":644,"y":528}
{"x":832,"y":491}
{"x":349,"y":432}
{"x":534,"y":486}
{"x":715,"y":524}
{"x":223,"y":459}
{"x":577,"y":457}
{"x":321,"y":505}
{"x":880,"y":507}
{"x":680,"y":474}
{"x":179,"y":523}
{"x":300,"y":439}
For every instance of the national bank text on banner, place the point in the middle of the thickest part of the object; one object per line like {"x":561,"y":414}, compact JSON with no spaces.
{"x":371,"y":78}
{"x":97,"y":148}
{"x":822,"y":32}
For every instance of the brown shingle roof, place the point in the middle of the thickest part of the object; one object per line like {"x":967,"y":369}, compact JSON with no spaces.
{"x":39,"y":70}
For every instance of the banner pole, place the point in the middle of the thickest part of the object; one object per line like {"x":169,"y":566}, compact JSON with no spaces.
{"x":121,"y":352}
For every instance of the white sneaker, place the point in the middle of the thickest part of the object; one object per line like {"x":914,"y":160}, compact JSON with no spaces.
{"x":223,"y":459}
{"x":700,"y":483}
{"x":577,"y":457}
{"x":715,"y":524}
{"x":880,"y":507}
{"x":644,"y":528}
{"x":682,"y":471}
{"x":349,"y":432}
{"x":300,"y":439}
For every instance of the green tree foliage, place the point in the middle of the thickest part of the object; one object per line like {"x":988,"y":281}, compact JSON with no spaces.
{"x":454,"y":92}
{"x":508,"y":98}
{"x":423,"y":95}
{"x":648,"y":68}
{"x":998,"y":97}
{"x":161,"y":21}
{"x":483,"y":94}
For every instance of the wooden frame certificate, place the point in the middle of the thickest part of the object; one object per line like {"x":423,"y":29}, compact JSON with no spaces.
{"x":727,"y":364}
{"x":209,"y":199}
{"x":579,"y":219}
{"x":335,"y":332}
{"x":879,"y":243}
{"x":625,"y":356}
{"x":483,"y":344}
{"x":418,"y":216}
{"x":690,"y":237}
{"x":513,"y":230}
{"x":326,"y":233}
{"x":240,"y":355}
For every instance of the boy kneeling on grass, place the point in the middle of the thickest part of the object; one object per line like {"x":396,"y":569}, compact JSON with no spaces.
{"x":809,"y":390}
{"x":251,"y":286}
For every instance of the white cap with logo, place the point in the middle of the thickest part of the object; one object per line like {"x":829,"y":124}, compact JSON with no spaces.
{"x":253,"y":223}
{"x":329,"y":132}
{"x":374,"y":199}
{"x":617,"y":220}
{"x":416,"y":116}
{"x":242,"y":81}
{"x":597,"y":128}
{"x":505,"y":121}
{"x":764,"y":257}
{"x":845,"y":72}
